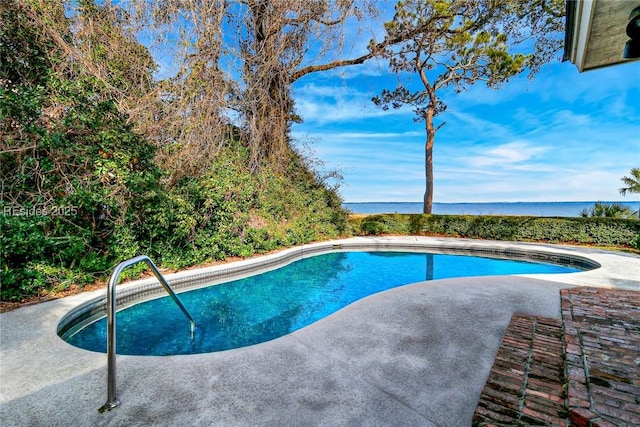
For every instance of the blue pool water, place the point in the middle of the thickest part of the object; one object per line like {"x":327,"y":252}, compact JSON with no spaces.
{"x":263,"y":307}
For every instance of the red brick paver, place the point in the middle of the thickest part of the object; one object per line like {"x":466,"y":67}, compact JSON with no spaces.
{"x":525,"y":383}
{"x":582,"y":372}
{"x":602,"y":335}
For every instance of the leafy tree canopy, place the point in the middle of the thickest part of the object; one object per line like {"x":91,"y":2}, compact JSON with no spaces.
{"x":632,"y":182}
{"x":454,"y":44}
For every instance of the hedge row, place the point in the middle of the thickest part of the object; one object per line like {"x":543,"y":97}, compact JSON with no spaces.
{"x":596,"y":231}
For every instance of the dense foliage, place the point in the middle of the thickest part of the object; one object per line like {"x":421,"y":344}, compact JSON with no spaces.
{"x":100,"y":160}
{"x":596,"y":231}
{"x":82,"y":189}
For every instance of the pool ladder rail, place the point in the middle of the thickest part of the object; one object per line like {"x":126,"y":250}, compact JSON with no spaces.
{"x":112,"y":400}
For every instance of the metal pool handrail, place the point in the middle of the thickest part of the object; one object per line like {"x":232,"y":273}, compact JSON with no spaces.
{"x":112,"y":400}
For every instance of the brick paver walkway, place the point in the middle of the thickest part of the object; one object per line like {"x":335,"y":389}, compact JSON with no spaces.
{"x":525,"y":383}
{"x":602,"y":335}
{"x":594,"y":350}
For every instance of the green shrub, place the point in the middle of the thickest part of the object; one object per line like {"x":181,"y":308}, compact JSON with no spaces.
{"x":594,"y":230}
{"x":225,"y":212}
{"x":373,"y":225}
{"x":385,"y":224}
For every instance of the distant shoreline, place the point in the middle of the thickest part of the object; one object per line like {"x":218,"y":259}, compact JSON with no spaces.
{"x":560,"y":209}
{"x":495,"y":203}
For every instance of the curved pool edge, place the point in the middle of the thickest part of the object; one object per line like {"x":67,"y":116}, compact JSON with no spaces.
{"x":600,"y":267}
{"x":404,"y":357}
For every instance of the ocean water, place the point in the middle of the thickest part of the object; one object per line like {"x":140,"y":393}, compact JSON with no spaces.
{"x":558,"y":209}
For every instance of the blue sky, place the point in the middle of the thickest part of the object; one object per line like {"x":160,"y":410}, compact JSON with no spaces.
{"x":563,"y":136}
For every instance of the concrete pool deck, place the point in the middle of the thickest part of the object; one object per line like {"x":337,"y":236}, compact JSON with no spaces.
{"x":415,"y":355}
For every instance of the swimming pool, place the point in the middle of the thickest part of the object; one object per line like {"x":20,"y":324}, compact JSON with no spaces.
{"x":266,"y":306}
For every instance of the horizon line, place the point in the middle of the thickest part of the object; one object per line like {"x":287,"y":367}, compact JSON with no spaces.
{"x":522,"y":201}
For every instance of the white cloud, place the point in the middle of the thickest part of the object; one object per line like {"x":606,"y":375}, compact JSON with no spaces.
{"x":375,"y":135}
{"x":506,"y":155}
{"x":569,"y":118}
{"x":473,"y":124}
{"x":330,"y":104}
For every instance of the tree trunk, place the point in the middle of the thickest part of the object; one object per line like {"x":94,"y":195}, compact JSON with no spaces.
{"x":428,"y":160}
{"x":267,"y":100}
